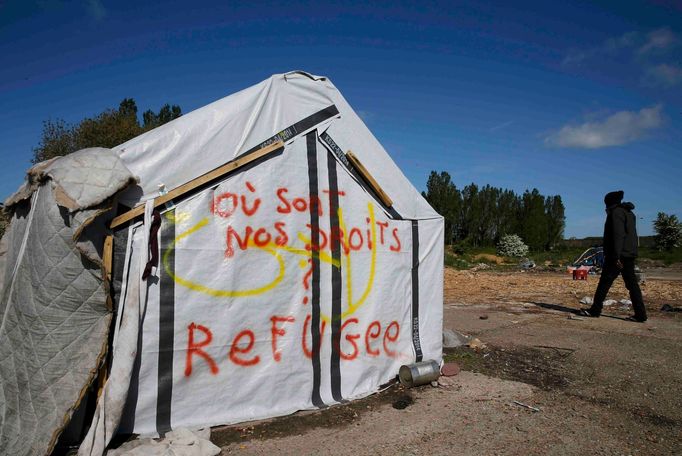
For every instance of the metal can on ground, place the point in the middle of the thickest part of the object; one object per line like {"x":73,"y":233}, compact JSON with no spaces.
{"x":419,"y":373}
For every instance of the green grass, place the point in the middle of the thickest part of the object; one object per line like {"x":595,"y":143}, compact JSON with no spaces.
{"x":468,"y":359}
{"x":455,"y":262}
{"x":465,"y":258}
{"x":558,"y":256}
{"x":667,"y":257}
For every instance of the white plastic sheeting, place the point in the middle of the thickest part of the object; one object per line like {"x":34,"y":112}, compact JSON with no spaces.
{"x":204,"y":139}
{"x":288,"y":285}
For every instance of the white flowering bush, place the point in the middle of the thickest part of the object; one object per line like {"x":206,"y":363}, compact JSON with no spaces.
{"x":511,"y":245}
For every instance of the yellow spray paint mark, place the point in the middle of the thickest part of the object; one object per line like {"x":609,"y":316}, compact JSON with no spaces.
{"x":372,"y":264}
{"x":323,"y":256}
{"x":270,"y":248}
{"x":273,"y":249}
{"x":353,"y":306}
{"x":177,"y":217}
{"x":217,"y":292}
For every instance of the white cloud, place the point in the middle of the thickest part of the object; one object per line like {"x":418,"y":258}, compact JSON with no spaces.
{"x":96,"y":9}
{"x":617,"y":129}
{"x":501,"y":126}
{"x":658,"y":40}
{"x":610,"y":47}
{"x":626,"y":40}
{"x":663,"y":75}
{"x":627,"y":45}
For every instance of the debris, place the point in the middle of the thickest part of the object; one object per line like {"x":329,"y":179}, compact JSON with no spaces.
{"x":521,"y":404}
{"x":625,"y":302}
{"x":419,"y":373}
{"x":586,"y":300}
{"x":450,"y":369}
{"x":434,"y":384}
{"x":180,"y":441}
{"x":527,"y":264}
{"x":573,"y":317}
{"x":483,"y":317}
{"x":403,"y":402}
{"x":446,"y":381}
{"x":641,"y":278}
{"x":476,"y":344}
{"x":610,"y":302}
{"x":580,"y":274}
{"x":562,"y":351}
{"x":669,"y":308}
{"x":480,"y":266}
{"x":453,"y":339}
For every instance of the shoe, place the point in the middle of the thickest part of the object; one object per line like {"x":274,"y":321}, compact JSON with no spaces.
{"x":587,"y":313}
{"x":635,"y":319}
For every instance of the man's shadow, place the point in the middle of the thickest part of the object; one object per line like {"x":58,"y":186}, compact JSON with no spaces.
{"x":570,"y":310}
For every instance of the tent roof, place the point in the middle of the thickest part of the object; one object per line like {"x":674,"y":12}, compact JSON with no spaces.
{"x":208,"y":137}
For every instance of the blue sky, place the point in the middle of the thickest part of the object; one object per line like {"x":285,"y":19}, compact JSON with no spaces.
{"x":574,"y":99}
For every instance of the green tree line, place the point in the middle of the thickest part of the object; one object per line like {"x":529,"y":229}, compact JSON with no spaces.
{"x":107,"y":129}
{"x":480,"y":216}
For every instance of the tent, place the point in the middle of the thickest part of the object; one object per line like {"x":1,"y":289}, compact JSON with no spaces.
{"x":271,"y":258}
{"x":591,"y":259}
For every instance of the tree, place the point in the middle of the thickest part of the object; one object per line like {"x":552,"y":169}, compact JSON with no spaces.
{"x":4,"y":220}
{"x":556,"y":220}
{"x":166,"y":114}
{"x":480,"y":216}
{"x":107,"y":129}
{"x":668,"y":231}
{"x":511,"y":245}
{"x":444,"y":197}
{"x":533,"y":221}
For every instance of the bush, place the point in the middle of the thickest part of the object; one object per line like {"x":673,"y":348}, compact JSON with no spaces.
{"x":668,"y":231}
{"x":452,"y":261}
{"x":4,"y":221}
{"x":511,"y":245}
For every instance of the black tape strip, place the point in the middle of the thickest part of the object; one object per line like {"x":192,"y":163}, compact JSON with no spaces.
{"x":299,"y":127}
{"x":335,"y":243}
{"x":166,"y":329}
{"x":338,"y":153}
{"x":415,"y":291}
{"x":311,"y":141}
{"x":336,"y":150}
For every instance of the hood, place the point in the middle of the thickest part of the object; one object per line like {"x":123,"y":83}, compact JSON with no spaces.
{"x":627,"y":206}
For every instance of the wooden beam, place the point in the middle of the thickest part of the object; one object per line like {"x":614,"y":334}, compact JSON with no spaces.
{"x":369,"y":179}
{"x":107,"y":256}
{"x":198,"y":182}
{"x":107,"y":263}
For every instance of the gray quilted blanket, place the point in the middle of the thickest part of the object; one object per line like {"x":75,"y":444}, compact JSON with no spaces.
{"x":53,"y":306}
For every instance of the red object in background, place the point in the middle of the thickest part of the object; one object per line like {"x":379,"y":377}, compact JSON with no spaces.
{"x":580,"y":274}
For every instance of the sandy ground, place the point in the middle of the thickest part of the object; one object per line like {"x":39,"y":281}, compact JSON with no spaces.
{"x":602,"y":386}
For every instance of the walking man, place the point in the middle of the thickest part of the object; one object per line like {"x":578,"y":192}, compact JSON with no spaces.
{"x":620,"y":251}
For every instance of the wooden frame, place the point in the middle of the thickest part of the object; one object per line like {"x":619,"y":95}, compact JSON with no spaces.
{"x":198,"y":182}
{"x":385,"y":199}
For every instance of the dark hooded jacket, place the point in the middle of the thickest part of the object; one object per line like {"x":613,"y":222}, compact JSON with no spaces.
{"x":620,"y":232}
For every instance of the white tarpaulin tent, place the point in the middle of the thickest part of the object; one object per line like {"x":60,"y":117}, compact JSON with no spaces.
{"x":303,"y":279}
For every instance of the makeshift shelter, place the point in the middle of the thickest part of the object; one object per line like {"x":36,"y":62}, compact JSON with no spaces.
{"x":591,"y":259}
{"x":275,"y":259}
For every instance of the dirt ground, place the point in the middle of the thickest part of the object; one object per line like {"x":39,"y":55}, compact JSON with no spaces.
{"x":601,"y":386}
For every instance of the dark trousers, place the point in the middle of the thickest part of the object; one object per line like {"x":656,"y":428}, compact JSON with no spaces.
{"x":611,"y":273}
